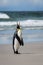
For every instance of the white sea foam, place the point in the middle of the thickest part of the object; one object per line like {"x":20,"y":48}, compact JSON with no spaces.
{"x":4,"y":16}
{"x":27,"y":24}
{"x":23,"y":23}
{"x":7,"y":23}
{"x":32,"y":23}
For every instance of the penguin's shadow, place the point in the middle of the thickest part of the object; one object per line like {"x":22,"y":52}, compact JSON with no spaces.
{"x":26,"y":53}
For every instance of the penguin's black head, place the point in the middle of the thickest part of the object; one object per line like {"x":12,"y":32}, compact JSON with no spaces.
{"x":18,"y":26}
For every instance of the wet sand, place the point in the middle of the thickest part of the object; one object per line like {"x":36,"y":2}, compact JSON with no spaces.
{"x":30,"y":54}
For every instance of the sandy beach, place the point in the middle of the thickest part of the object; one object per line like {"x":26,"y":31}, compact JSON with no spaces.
{"x":31,"y":54}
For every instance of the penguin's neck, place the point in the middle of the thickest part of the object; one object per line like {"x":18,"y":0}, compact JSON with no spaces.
{"x":19,"y":33}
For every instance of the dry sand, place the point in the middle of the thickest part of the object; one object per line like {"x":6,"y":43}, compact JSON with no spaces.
{"x":31,"y":54}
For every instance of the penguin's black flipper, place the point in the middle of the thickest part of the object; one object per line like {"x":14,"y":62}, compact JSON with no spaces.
{"x":22,"y":43}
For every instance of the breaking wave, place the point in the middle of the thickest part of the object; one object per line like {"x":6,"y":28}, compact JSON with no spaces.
{"x":27,"y":24}
{"x":4,"y":16}
{"x":23,"y":23}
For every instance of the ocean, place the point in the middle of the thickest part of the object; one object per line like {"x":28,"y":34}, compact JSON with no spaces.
{"x":31,"y":23}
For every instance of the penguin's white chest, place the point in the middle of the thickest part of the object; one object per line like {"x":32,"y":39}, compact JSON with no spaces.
{"x":20,"y":34}
{"x":16,"y":45}
{"x":16,"y":42}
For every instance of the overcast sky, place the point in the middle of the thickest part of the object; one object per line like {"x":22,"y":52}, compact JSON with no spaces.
{"x":21,"y":5}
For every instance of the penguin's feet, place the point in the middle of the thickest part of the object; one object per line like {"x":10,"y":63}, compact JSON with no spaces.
{"x":16,"y":52}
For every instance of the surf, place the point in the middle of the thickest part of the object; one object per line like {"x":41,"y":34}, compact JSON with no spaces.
{"x":4,"y":16}
{"x":23,"y":23}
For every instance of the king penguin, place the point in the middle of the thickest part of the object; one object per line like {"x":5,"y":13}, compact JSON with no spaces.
{"x":17,"y":39}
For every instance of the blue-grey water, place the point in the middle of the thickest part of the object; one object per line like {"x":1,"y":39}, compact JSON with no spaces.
{"x":31,"y":26}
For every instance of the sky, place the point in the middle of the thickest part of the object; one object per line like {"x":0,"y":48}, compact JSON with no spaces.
{"x":21,"y":5}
